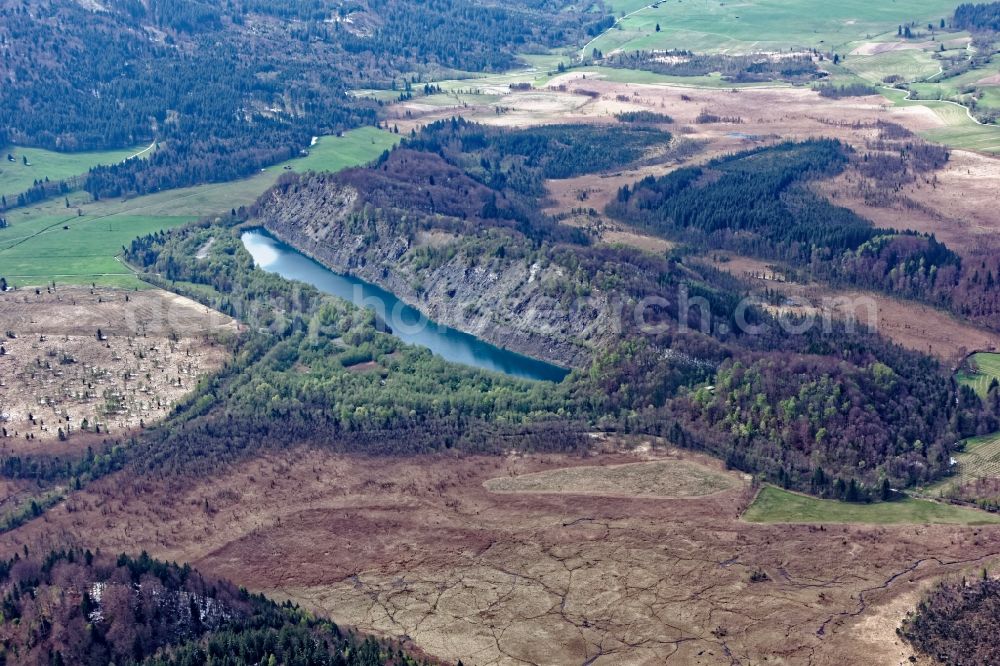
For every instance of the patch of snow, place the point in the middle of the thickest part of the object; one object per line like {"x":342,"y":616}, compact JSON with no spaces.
{"x":92,"y":5}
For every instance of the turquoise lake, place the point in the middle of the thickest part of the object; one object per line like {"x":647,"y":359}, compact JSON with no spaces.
{"x":406,"y":322}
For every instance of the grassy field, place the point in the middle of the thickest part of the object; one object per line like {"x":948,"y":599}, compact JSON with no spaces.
{"x":987,"y":369}
{"x":660,"y":478}
{"x":760,"y":25}
{"x":75,"y":250}
{"x":959,"y":131}
{"x":980,"y":459}
{"x":331,"y":153}
{"x":774,"y":505}
{"x":912,"y":65}
{"x":50,"y":242}
{"x":16,"y":177}
{"x":982,"y":138}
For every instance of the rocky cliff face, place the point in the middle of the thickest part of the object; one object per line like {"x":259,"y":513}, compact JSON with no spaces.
{"x":474,"y":282}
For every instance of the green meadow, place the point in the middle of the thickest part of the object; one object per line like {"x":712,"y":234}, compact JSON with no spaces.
{"x":911,"y":65}
{"x":16,"y":177}
{"x":760,"y":25}
{"x":774,"y":505}
{"x":79,"y":245}
{"x":979,"y":371}
{"x":959,"y":130}
{"x":76,"y":250}
{"x":983,"y":138}
{"x":332,"y":153}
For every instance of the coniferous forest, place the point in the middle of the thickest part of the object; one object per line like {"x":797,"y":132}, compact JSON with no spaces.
{"x":80,"y":607}
{"x":984,"y":16}
{"x":227,"y":90}
{"x":759,"y":203}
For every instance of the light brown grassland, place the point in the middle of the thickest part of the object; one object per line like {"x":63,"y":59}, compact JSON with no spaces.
{"x":154,"y":348}
{"x":959,"y":207}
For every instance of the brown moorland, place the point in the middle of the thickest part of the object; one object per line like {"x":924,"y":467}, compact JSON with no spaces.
{"x":956,"y":202}
{"x":419,"y":547}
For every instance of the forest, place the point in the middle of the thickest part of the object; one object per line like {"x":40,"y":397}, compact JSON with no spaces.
{"x":644,"y":117}
{"x":984,"y":16}
{"x":469,"y":36}
{"x":849,"y":90}
{"x":759,"y":203}
{"x":955,"y":622}
{"x":229,"y":89}
{"x":77,"y":607}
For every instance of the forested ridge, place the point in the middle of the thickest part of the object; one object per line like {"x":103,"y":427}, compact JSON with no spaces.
{"x":229,"y":89}
{"x":865,"y":371}
{"x":76,"y":607}
{"x":462,"y":176}
{"x":887,"y":403}
{"x":760,"y":203}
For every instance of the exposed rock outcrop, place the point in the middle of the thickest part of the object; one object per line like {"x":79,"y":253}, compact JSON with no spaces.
{"x":515,"y":299}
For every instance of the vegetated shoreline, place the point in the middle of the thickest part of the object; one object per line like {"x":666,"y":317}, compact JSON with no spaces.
{"x":562,"y":353}
{"x":522,"y":366}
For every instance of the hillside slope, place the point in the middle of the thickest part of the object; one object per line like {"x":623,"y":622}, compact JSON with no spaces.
{"x":454,"y":266}
{"x":78,"y":607}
